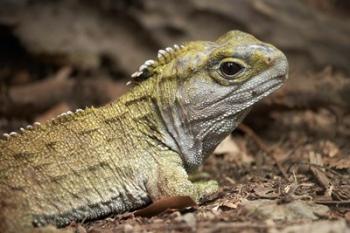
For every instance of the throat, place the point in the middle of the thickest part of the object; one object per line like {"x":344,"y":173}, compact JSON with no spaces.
{"x":196,"y":141}
{"x":219,"y":130}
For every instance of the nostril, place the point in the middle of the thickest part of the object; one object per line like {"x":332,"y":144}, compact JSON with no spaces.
{"x":268,"y":60}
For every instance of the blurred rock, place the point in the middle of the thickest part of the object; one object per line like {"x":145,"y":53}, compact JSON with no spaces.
{"x":293,"y":211}
{"x":338,"y":226}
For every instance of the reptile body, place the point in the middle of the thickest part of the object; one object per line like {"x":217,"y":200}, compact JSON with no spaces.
{"x":98,"y":161}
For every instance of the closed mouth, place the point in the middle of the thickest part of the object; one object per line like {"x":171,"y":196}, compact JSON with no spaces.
{"x":282,"y":76}
{"x":269,"y":85}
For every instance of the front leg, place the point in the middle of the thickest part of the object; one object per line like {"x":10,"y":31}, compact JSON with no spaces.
{"x":169,"y":178}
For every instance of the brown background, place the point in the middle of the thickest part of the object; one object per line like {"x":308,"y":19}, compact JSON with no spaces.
{"x":57,"y":56}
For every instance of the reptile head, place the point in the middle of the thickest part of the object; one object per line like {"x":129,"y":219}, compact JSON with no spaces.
{"x":207,"y":88}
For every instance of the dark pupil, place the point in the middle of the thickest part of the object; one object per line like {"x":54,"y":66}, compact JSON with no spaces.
{"x":230,"y":68}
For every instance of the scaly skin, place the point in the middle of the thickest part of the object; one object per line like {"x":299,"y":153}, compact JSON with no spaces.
{"x":120,"y":157}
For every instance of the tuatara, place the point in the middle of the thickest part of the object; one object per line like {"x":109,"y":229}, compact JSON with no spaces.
{"x":140,"y":148}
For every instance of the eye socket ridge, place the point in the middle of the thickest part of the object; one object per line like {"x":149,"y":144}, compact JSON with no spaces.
{"x":230,"y":68}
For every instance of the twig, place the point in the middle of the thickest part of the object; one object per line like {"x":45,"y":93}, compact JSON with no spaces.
{"x":319,"y":174}
{"x":259,"y":142}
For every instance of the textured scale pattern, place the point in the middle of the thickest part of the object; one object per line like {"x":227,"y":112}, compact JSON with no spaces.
{"x":68,"y":175}
{"x":91,"y":163}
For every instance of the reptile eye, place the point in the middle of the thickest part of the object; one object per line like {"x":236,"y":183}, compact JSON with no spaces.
{"x":230,"y":68}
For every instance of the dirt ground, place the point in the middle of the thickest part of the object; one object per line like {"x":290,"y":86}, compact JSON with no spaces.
{"x":285,"y":169}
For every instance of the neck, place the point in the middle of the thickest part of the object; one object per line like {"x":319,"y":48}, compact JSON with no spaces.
{"x":165,"y":119}
{"x":195,"y":142}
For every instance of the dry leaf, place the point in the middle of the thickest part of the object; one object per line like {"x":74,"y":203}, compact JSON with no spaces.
{"x":177,"y":202}
{"x":233,"y":151}
{"x":226,"y":204}
{"x":227,"y":147}
{"x":340,"y":163}
{"x":329,"y":148}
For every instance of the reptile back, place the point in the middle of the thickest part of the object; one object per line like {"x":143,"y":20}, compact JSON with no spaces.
{"x":79,"y":166}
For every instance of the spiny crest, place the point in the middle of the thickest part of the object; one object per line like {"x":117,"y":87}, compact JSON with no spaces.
{"x":36,"y":125}
{"x":147,"y":69}
{"x":22,"y":130}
